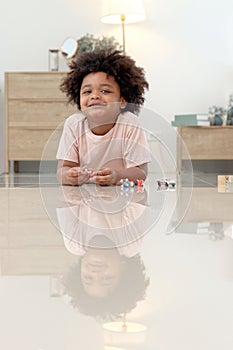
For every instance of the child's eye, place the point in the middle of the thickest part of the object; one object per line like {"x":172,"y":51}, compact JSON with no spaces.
{"x":107,"y":278}
{"x":86,"y":92}
{"x":104,"y":91}
{"x":87,"y":279}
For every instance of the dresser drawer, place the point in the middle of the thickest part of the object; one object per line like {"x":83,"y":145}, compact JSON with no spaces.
{"x":30,"y":143}
{"x":34,"y":85}
{"x":38,"y":113}
{"x":209,"y":143}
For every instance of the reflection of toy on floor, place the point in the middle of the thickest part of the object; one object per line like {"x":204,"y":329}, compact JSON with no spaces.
{"x":166,"y":184}
{"x":128,"y":186}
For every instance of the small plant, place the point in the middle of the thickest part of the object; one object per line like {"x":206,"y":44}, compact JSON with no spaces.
{"x":230,"y":111}
{"x":89,"y":43}
{"x":219,"y":115}
{"x":106,"y":42}
{"x":86,"y":43}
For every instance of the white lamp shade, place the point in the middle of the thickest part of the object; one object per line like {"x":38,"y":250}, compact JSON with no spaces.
{"x":134,"y":333}
{"x":112,"y":10}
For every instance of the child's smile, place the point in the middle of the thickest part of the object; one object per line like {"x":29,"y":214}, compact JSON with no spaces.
{"x":100,"y":100}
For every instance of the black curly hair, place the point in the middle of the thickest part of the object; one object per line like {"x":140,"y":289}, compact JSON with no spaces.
{"x":131,"y":290}
{"x":129,"y":77}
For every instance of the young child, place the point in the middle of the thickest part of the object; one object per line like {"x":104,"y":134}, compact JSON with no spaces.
{"x":105,"y":142}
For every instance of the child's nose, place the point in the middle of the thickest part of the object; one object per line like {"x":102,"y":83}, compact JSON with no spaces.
{"x":95,"y":95}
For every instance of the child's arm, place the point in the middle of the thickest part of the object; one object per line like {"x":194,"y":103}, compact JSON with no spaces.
{"x":69,"y":173}
{"x":107,"y":176}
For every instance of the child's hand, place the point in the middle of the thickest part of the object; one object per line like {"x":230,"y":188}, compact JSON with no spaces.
{"x":76,"y":176}
{"x":106,"y":176}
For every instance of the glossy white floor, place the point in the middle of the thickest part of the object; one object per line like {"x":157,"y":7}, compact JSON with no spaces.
{"x":74,"y":259}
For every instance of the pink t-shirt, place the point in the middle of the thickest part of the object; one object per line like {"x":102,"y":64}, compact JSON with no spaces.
{"x":125,"y":228}
{"x":125,"y":145}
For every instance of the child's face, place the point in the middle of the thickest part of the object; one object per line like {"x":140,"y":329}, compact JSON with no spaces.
{"x":101,"y":270}
{"x":100,"y":99}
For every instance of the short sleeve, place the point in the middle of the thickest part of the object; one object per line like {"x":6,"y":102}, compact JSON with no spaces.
{"x":136,"y":150}
{"x":68,"y":146}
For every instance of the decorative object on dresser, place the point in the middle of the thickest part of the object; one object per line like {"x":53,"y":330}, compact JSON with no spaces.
{"x":225,"y":183}
{"x":230,"y":111}
{"x":71,"y":47}
{"x":53,"y":60}
{"x":191,"y":120}
{"x":34,"y":108}
{"x":217,"y":115}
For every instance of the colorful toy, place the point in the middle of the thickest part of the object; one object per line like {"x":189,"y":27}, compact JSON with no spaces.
{"x":140,"y":183}
{"x":126,"y":183}
{"x":86,"y":170}
{"x":166,"y":183}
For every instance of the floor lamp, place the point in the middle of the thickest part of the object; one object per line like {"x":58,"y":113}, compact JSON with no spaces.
{"x":124,"y":332}
{"x":122,"y":12}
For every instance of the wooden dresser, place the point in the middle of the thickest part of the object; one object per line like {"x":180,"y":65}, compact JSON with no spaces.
{"x":34,"y":108}
{"x":204,"y":143}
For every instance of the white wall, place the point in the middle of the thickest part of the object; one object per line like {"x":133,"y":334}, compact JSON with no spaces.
{"x":185,"y":47}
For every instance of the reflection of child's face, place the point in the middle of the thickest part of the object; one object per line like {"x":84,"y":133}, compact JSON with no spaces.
{"x":100,"y":271}
{"x":100,"y":99}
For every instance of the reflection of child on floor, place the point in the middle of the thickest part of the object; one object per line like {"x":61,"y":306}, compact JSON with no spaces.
{"x":105,"y":143}
{"x":110,"y":290}
{"x":91,"y":211}
{"x":109,"y":277}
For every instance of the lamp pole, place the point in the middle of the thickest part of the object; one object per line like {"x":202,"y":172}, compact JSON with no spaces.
{"x":123,"y":31}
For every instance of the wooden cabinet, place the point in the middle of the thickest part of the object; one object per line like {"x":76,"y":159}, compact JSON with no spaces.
{"x":30,"y":242}
{"x":204,"y":143}
{"x":34,"y":108}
